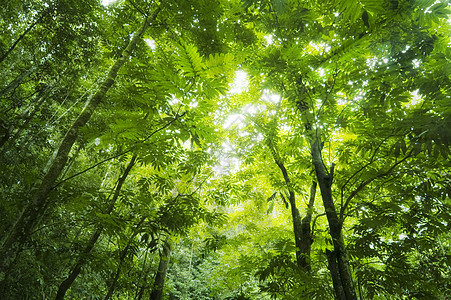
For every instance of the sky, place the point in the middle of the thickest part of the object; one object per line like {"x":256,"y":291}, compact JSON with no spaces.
{"x":107,"y":2}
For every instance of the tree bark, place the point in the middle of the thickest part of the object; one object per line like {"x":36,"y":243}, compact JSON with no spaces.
{"x":157,"y":291}
{"x":301,"y":259}
{"x":66,"y":284}
{"x":335,"y":227}
{"x":335,"y":274}
{"x":306,"y":234}
{"x":301,"y":228}
{"x":30,"y":216}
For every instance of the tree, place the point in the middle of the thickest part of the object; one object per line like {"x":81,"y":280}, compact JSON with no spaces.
{"x":311,"y":72}
{"x":28,"y":219}
{"x":157,"y":291}
{"x":120,"y":126}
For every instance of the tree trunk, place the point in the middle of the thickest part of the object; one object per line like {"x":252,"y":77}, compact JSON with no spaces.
{"x":144,"y":274}
{"x":17,"y":81}
{"x":157,"y":292}
{"x":26,"y":117}
{"x":301,"y":228}
{"x":306,"y":234}
{"x":11,"y":48}
{"x":301,"y":259}
{"x":66,"y":284}
{"x":335,"y":274}
{"x":6,"y":136}
{"x":122,"y":257}
{"x":335,"y":227}
{"x":30,"y":216}
{"x":116,"y":276}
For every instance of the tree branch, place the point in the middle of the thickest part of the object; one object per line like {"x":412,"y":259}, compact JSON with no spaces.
{"x":121,"y":153}
{"x":137,"y":8}
{"x":368,"y":181}
{"x":314,"y":221}
{"x":362,"y":168}
{"x":44,"y":13}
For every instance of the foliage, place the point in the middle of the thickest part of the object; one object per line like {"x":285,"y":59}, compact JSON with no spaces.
{"x":179,"y":152}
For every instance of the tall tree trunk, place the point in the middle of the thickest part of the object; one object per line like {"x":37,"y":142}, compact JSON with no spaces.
{"x":306,"y":234}
{"x":66,"y":284}
{"x":301,"y":259}
{"x":122,"y":257}
{"x":157,"y":291}
{"x":335,"y":274}
{"x":335,"y":227}
{"x":30,"y":216}
{"x":301,"y":228}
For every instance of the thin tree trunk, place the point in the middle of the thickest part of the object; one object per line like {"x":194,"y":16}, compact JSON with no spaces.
{"x":66,"y":284}
{"x":26,"y":116}
{"x":157,"y":291}
{"x":11,"y":48}
{"x":301,"y":228}
{"x":29,"y":217}
{"x":140,"y":294}
{"x":297,"y":223}
{"x":116,"y":276}
{"x":335,"y":227}
{"x":17,"y":81}
{"x":144,"y":274}
{"x":6,"y":136}
{"x":144,"y":286}
{"x":122,"y":257}
{"x":306,"y":234}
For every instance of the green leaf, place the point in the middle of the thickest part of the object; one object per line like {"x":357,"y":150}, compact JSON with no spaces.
{"x":441,"y":9}
{"x":444,"y":151}
{"x":403,"y":146}
{"x":374,"y":6}
{"x":424,"y":3}
{"x":189,"y":60}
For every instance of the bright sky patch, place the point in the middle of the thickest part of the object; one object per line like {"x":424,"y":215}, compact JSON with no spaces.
{"x":108,"y":2}
{"x":240,"y":83}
